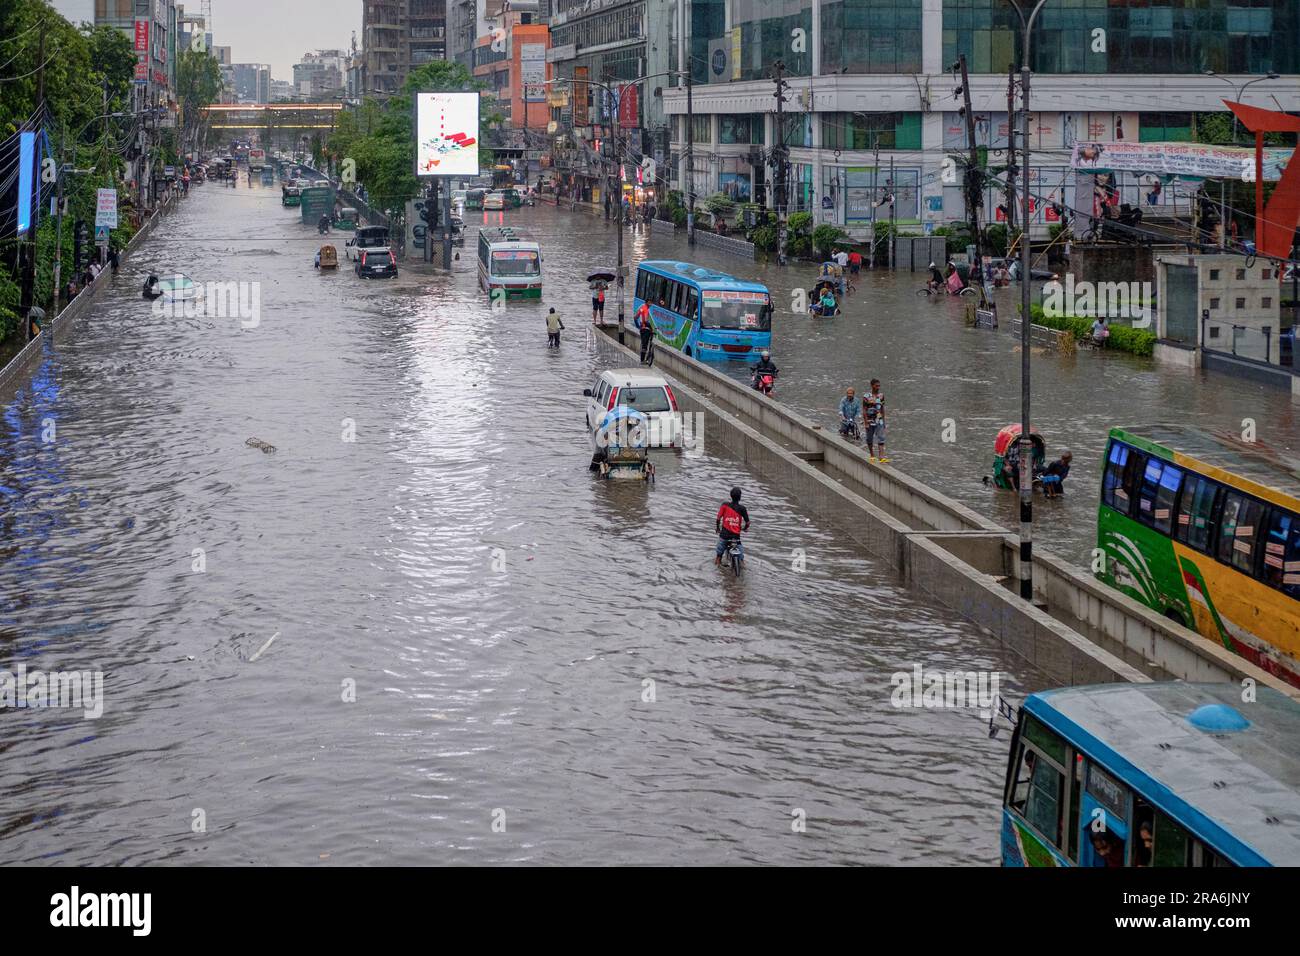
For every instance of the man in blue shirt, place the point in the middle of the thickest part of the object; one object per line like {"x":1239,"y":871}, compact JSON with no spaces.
{"x":850,"y":409}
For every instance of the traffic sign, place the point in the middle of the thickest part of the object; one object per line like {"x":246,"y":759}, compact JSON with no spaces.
{"x":101,"y":234}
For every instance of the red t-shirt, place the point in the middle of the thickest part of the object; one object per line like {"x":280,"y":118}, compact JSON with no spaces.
{"x":643,"y":317}
{"x":855,"y":258}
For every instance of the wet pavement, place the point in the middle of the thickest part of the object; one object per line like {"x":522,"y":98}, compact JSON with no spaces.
{"x":418,"y":631}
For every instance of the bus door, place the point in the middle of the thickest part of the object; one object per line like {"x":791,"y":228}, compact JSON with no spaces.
{"x":1106,"y":806}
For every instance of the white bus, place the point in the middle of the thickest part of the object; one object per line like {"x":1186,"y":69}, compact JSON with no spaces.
{"x":510,"y":262}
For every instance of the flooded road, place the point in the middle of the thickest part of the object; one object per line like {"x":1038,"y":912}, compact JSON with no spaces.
{"x":418,"y":632}
{"x":933,"y":369}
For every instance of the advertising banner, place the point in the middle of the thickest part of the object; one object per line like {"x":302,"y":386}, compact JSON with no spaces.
{"x":141,"y":36}
{"x":532,"y":71}
{"x":1193,"y":160}
{"x":627,"y":106}
{"x":446,"y":134}
{"x":106,"y":207}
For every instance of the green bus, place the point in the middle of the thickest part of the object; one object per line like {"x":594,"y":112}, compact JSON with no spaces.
{"x":1205,"y":530}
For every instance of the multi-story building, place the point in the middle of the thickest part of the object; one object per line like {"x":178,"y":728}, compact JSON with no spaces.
{"x":322,"y":73}
{"x":466,"y":23}
{"x":871,"y":112}
{"x":187,"y":25}
{"x":281,"y":91}
{"x":252,"y":82}
{"x":511,"y":61}
{"x":399,"y":35}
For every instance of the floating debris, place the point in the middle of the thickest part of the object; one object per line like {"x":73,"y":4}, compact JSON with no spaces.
{"x":258,"y":443}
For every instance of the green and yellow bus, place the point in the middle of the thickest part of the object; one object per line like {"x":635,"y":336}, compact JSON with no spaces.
{"x":1206,"y":531}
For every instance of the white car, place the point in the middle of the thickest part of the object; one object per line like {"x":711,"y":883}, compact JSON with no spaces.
{"x":494,"y":200}
{"x":645,"y":391}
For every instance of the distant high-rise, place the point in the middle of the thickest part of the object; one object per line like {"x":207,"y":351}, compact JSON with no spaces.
{"x":398,"y":35}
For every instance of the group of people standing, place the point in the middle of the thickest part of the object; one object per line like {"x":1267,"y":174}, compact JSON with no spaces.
{"x":870,"y":409}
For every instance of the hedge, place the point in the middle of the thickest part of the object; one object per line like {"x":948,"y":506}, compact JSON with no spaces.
{"x":1124,"y":338}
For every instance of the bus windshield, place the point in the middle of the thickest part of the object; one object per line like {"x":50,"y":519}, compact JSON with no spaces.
{"x":516,"y":262}
{"x":739,"y":311}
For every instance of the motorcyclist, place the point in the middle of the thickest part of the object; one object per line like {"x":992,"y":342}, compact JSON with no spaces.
{"x":732,"y":519}
{"x":151,"y":287}
{"x":765,"y":366}
{"x":323,"y":226}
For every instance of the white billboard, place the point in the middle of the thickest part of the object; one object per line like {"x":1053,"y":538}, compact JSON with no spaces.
{"x":446,"y":134}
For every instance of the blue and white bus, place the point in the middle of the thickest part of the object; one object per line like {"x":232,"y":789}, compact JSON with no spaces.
{"x":1154,"y":775}
{"x":708,"y":315}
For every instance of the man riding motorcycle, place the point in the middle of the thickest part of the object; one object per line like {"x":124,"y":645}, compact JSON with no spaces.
{"x":323,"y":225}
{"x":732,"y":519}
{"x":764,"y":367}
{"x":850,"y":410}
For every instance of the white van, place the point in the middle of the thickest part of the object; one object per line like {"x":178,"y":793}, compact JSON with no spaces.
{"x":643,"y":390}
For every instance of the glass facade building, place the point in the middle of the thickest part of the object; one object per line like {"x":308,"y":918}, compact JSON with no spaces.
{"x":1136,"y":36}
{"x":871,"y":36}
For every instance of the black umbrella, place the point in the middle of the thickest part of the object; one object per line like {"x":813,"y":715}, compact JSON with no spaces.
{"x":601,"y":277}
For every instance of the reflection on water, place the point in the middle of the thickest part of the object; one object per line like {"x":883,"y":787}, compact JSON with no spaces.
{"x":467,"y":622}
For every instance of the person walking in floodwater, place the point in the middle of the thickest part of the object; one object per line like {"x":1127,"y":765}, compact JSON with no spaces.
{"x":553,"y":328}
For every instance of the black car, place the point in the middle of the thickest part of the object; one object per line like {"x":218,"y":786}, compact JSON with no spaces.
{"x":376,"y":264}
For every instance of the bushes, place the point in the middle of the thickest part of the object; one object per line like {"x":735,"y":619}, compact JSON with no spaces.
{"x":764,"y":238}
{"x":1123,"y":338}
{"x":826,"y":237}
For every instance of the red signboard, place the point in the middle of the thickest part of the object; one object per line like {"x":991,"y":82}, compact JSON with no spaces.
{"x":142,"y":70}
{"x":627,"y":111}
{"x":141,"y":35}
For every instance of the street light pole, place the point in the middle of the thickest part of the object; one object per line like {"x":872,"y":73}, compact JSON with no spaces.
{"x":618,"y":201}
{"x":690,"y":160}
{"x":1026,"y":444}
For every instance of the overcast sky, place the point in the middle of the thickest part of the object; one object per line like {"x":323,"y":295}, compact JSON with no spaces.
{"x":279,"y":32}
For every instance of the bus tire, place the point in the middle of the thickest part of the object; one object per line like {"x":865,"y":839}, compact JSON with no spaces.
{"x":1176,"y":617}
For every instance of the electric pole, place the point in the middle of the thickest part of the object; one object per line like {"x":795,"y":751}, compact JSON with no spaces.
{"x":778,"y":159}
{"x":618,"y":202}
{"x":1011,"y":148}
{"x":690,"y":160}
{"x":974,"y":180}
{"x":28,"y":249}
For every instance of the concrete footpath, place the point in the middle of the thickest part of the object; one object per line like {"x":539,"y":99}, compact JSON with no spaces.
{"x":1078,"y":631}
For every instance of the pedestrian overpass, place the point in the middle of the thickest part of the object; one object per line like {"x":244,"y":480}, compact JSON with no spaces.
{"x":282,"y":123}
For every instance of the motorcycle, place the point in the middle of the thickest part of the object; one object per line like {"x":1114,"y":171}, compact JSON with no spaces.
{"x":849,"y":429}
{"x":734,"y":555}
{"x":323,"y":228}
{"x":763,"y":382}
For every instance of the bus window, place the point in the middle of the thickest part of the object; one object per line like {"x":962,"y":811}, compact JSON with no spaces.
{"x":1147,"y":491}
{"x":1243,"y":548}
{"x":1282,"y":552}
{"x":1112,"y":492}
{"x":640,"y":285}
{"x":1228,"y":526}
{"x":1195,"y":512}
{"x":692,"y":303}
{"x":678,"y":300}
{"x":1166,"y":496}
{"x":1072,"y":825}
{"x":1043,"y":805}
{"x":1170,"y":842}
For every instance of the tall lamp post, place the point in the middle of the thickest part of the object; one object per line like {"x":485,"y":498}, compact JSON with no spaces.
{"x":1026,"y":445}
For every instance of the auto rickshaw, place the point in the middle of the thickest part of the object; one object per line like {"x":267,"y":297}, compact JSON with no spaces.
{"x":622,"y":442}
{"x":1006,"y":456}
{"x":327,"y":257}
{"x":346,"y":219}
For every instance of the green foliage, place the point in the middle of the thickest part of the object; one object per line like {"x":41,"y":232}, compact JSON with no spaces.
{"x":826,"y":236}
{"x":380,"y":137}
{"x":719,"y":204}
{"x":1123,"y":338}
{"x":764,"y":238}
{"x":198,"y":84}
{"x":996,"y":238}
{"x":678,"y":215}
{"x":798,"y":246}
{"x":800,"y":223}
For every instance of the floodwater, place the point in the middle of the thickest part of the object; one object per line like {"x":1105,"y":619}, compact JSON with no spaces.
{"x":949,"y":389}
{"x":418,"y":631}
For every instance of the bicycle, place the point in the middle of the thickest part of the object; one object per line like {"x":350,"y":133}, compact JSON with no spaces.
{"x":649,"y":359}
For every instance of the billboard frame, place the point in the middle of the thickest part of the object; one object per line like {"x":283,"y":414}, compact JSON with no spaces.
{"x":415,"y":129}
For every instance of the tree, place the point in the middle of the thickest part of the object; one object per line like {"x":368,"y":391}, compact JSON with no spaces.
{"x":198,"y":84}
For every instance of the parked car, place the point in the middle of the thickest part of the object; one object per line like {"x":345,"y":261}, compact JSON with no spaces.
{"x":377,"y":264}
{"x":647,"y":392}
